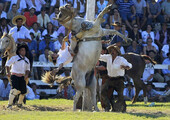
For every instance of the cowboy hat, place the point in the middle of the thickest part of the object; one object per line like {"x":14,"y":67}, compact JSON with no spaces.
{"x":114,"y":47}
{"x":116,"y":24}
{"x":18,"y":17}
{"x":19,"y":46}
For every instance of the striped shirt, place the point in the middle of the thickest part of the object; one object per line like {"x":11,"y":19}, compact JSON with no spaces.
{"x":124,"y":6}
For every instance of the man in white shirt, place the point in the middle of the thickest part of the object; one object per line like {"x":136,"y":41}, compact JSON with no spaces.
{"x":20,"y":68}
{"x":116,"y":66}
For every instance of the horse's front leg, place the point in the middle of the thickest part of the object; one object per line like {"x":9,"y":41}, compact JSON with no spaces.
{"x":114,"y":32}
{"x":99,"y":18}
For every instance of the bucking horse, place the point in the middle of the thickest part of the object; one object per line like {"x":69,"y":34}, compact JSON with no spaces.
{"x":89,"y":49}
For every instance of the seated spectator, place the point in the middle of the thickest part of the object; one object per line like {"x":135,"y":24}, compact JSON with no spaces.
{"x":127,"y":11}
{"x":129,"y":92}
{"x":165,"y":97}
{"x":157,"y":77}
{"x":101,"y":4}
{"x":34,"y":88}
{"x":148,"y":72}
{"x":2,"y":13}
{"x":33,"y":44}
{"x":106,"y":38}
{"x":55,"y":22}
{"x":125,"y":32}
{"x":4,"y":89}
{"x":166,"y":10}
{"x":163,"y":36}
{"x":61,"y":29}
{"x":36,"y":31}
{"x":4,"y":26}
{"x":151,"y":93}
{"x":21,"y":5}
{"x":140,"y":6}
{"x":44,"y":58}
{"x":30,"y":94}
{"x":115,"y":16}
{"x":58,"y":43}
{"x":148,"y":47}
{"x":34,"y":71}
{"x":81,"y":7}
{"x":135,"y":48}
{"x":166,"y":72}
{"x":165,"y":50}
{"x":12,"y":13}
{"x":37,"y":3}
{"x":117,"y":26}
{"x":30,"y":17}
{"x":154,"y":11}
{"x":46,"y":42}
{"x":135,"y":34}
{"x":50,"y":31}
{"x":149,"y":34}
{"x":43,"y":19}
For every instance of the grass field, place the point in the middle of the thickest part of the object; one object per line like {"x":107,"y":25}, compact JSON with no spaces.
{"x":61,"y":109}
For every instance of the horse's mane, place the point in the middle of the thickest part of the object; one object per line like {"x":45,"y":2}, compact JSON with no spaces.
{"x":145,"y":57}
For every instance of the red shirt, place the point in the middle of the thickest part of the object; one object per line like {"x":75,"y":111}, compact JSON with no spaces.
{"x":30,"y":19}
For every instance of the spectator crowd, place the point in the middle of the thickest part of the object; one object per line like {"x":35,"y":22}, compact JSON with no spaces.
{"x":147,"y":23}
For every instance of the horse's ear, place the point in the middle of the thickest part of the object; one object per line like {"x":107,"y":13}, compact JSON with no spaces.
{"x":10,"y":34}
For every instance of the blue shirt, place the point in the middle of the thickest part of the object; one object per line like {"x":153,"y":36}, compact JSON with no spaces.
{"x":33,"y":45}
{"x":167,"y":62}
{"x":42,"y":46}
{"x":124,"y":6}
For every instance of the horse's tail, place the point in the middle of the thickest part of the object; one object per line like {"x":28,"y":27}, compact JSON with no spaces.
{"x":50,"y":79}
{"x":145,"y":57}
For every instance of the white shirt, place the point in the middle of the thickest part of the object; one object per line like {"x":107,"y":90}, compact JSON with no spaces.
{"x":57,"y":45}
{"x":54,"y":35}
{"x":147,"y":72}
{"x":38,"y":4}
{"x":3,"y":15}
{"x":19,"y":67}
{"x":64,"y":56}
{"x":42,"y":58}
{"x":165,"y":50}
{"x":82,"y":6}
{"x":139,"y":6}
{"x":22,"y":5}
{"x":131,"y":94}
{"x":30,"y":95}
{"x":23,"y":33}
{"x":113,"y":68}
{"x":40,"y":20}
{"x":38,"y":33}
{"x":54,"y":22}
{"x":145,"y":36}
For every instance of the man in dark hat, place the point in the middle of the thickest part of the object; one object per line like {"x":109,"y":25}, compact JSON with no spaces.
{"x":20,"y":68}
{"x":4,"y":89}
{"x":116,"y":66}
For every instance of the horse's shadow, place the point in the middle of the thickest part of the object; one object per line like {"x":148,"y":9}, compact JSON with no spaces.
{"x":148,"y":115}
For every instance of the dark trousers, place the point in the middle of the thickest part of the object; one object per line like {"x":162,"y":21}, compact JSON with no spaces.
{"x":117,"y":83}
{"x":19,"y":83}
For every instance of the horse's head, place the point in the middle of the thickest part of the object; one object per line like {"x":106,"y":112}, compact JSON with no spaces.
{"x":6,"y":43}
{"x":66,"y":13}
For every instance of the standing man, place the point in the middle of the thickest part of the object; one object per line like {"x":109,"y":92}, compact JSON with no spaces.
{"x":20,"y":68}
{"x":116,"y":66}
